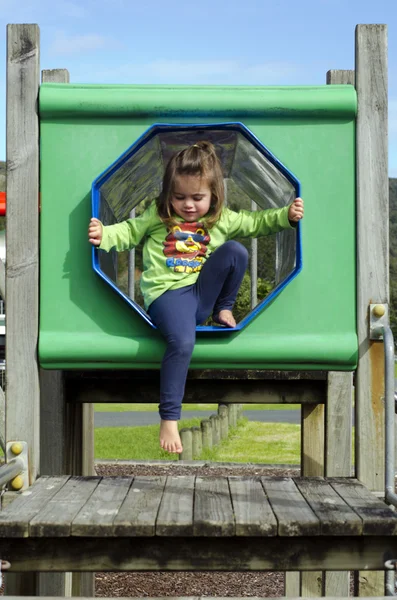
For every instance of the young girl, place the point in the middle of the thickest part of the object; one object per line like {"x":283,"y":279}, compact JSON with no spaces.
{"x":192,"y":267}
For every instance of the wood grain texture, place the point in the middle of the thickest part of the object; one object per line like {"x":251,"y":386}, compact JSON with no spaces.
{"x":294,"y":516}
{"x":15,"y":518}
{"x":338,"y":414}
{"x":369,"y":508}
{"x":372,"y":258}
{"x":335,"y":516}
{"x":175,"y":516}
{"x":97,"y":515}
{"x":213,"y":510}
{"x":137,"y":516}
{"x":55,"y":518}
{"x":197,"y":554}
{"x":252,"y":510}
{"x":372,"y":244}
{"x":22,"y":267}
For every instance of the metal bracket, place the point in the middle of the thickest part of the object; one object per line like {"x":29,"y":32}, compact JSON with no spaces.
{"x":14,"y":450}
{"x":378,"y":318}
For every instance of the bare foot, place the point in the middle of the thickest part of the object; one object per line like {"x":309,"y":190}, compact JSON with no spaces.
{"x":169,"y":436}
{"x":225,"y":317}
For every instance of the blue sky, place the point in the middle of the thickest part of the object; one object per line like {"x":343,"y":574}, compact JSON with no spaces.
{"x":254,"y":42}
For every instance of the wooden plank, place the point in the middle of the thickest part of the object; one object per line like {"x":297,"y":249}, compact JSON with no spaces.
{"x":175,"y":516}
{"x":312,"y":440}
{"x":197,"y":554}
{"x":378,"y":518}
{"x":213,"y":510}
{"x":372,"y":186}
{"x":338,"y":415}
{"x":15,"y":518}
{"x":335,"y":516}
{"x":55,"y":519}
{"x":22,"y":267}
{"x":252,"y":510}
{"x":294,"y":515}
{"x":116,"y":387}
{"x":137,"y":516}
{"x":373,"y":244}
{"x":338,"y":425}
{"x":97,"y":515}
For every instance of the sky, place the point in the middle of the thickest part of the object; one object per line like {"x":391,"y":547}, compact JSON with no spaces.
{"x":229,"y":42}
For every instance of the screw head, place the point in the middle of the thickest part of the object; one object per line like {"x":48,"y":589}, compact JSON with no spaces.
{"x":16,"y":448}
{"x":378,"y":310}
{"x":17,"y":483}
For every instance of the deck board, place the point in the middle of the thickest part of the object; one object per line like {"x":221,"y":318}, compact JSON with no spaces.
{"x":175,"y":516}
{"x":252,"y":510}
{"x":335,"y":516}
{"x":294,"y":515}
{"x":213,"y":510}
{"x":15,"y":518}
{"x":97,"y":515}
{"x":138,"y":513}
{"x":187,"y":506}
{"x":55,"y":518}
{"x":377,"y":517}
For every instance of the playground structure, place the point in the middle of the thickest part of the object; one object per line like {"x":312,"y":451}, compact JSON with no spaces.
{"x":94,"y":349}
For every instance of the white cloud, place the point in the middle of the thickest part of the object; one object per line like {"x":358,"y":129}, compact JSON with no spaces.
{"x":70,"y":9}
{"x":203,"y":72}
{"x":64,"y":44}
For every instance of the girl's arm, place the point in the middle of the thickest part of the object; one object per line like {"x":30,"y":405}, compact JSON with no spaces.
{"x":122,"y":236}
{"x":247,"y":223}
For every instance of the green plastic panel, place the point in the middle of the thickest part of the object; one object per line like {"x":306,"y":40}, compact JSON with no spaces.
{"x":310,"y":325}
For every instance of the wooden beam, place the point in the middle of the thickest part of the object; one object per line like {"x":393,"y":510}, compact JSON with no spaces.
{"x":372,"y":259}
{"x":22,"y":239}
{"x":156,"y":553}
{"x":52,"y":422}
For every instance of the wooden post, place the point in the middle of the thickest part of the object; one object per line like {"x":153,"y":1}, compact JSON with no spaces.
{"x":372,"y":259}
{"x":22,"y":241}
{"x":223,"y":421}
{"x":312,"y":465}
{"x":187,"y":443}
{"x":338,"y":419}
{"x":206,"y":430}
{"x":216,"y":432}
{"x":197,"y":443}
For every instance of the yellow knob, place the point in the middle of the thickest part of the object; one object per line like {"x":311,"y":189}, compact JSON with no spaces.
{"x":17,"y":482}
{"x":16,"y":448}
{"x":378,"y":310}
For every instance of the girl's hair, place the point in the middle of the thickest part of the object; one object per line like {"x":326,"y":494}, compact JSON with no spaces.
{"x":199,"y":160}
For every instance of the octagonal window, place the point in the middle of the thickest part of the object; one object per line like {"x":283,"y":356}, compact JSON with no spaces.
{"x":254,"y":180}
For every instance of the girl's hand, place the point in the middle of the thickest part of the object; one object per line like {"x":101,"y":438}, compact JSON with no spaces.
{"x":295,"y":212}
{"x":95,"y":232}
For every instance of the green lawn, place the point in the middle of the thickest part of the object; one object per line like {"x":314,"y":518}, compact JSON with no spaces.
{"x":114,"y":407}
{"x":248,"y":442}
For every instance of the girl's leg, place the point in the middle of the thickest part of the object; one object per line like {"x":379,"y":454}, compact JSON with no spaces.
{"x":174,"y":313}
{"x":219,"y":282}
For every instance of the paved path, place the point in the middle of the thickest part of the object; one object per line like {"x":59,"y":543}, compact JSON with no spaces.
{"x":134,"y":419}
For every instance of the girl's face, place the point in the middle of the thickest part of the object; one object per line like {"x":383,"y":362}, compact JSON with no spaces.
{"x":191,"y":197}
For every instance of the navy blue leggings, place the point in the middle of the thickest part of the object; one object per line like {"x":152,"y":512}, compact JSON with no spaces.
{"x":177,"y":312}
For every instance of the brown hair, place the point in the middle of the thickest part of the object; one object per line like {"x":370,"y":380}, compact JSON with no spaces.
{"x":199,"y":159}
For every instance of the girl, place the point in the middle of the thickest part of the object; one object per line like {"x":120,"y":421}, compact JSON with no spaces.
{"x":192,"y":267}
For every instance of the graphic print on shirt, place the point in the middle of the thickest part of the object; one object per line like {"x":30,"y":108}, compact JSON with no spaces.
{"x":186,"y":247}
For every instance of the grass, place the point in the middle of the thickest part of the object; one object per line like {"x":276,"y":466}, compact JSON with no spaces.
{"x":250,"y":442}
{"x":115,"y":407}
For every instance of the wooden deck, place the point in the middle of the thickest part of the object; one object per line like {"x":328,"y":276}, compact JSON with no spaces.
{"x":144,"y":523}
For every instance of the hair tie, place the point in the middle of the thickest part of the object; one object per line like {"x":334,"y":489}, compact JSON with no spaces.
{"x":196,"y":146}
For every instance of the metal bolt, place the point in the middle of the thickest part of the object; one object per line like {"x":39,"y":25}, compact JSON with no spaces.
{"x":378,"y":310}
{"x":16,"y":448}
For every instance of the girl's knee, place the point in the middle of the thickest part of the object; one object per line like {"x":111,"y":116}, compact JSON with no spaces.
{"x":181,"y":345}
{"x":238,"y":251}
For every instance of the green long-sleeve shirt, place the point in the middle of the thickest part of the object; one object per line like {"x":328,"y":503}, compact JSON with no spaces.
{"x":173,"y":258}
